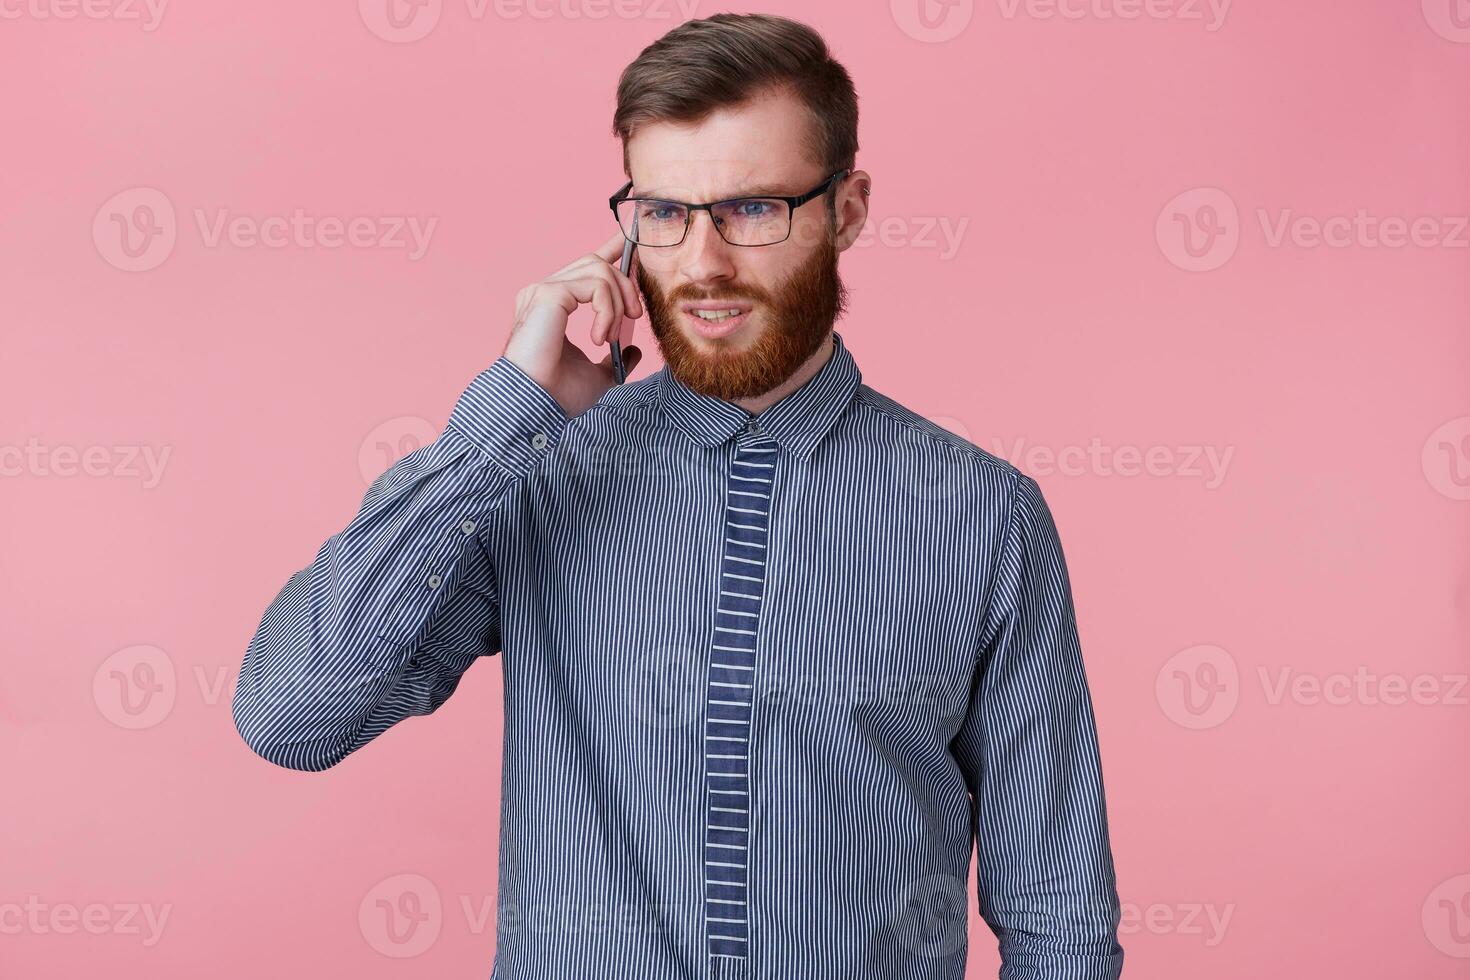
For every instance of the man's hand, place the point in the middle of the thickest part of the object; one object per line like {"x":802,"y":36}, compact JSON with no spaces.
{"x":538,"y":341}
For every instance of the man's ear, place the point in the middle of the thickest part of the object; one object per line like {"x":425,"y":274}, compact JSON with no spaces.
{"x":851,"y":209}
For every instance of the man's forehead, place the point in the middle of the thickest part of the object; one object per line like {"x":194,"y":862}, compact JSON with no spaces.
{"x":760,"y":146}
{"x":695,"y":179}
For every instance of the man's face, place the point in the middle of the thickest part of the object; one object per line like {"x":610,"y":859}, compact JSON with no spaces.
{"x":789,"y":293}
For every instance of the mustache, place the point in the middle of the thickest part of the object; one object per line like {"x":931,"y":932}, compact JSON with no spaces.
{"x":689,"y":293}
{"x":683,"y":294}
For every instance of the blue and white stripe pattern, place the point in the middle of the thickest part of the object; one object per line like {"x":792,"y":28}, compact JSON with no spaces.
{"x":731,"y":690}
{"x":846,"y":616}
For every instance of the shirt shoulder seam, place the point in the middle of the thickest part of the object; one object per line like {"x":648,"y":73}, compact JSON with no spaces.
{"x":1007,"y":536}
{"x":880,"y":404}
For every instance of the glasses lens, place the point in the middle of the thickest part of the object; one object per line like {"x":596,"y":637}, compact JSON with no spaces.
{"x":655,"y":223}
{"x":753,"y":221}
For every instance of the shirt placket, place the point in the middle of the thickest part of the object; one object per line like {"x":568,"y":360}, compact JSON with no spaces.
{"x":730,"y":699}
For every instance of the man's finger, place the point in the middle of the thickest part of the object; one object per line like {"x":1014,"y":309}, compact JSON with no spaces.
{"x":612,"y":249}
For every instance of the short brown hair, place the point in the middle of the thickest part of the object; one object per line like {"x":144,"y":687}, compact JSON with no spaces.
{"x":726,"y":59}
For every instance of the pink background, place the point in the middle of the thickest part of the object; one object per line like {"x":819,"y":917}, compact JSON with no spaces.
{"x":1315,"y":829}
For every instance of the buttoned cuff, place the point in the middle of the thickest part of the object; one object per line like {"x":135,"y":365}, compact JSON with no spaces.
{"x":509,"y":417}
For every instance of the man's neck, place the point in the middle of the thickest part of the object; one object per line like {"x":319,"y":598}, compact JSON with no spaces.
{"x":799,"y":377}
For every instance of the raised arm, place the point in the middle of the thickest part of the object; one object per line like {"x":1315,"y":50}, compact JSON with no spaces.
{"x":1045,"y":878}
{"x":399,"y":603}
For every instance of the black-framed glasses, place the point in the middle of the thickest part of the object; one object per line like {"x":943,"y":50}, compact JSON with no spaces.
{"x":745,"y":221}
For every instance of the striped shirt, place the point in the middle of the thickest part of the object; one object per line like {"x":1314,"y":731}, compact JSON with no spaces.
{"x":769,"y":680}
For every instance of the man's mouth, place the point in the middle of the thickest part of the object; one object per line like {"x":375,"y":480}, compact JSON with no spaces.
{"x":715,"y":319}
{"x":714,"y":316}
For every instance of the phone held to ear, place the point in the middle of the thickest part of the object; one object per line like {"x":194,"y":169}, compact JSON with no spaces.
{"x":617,"y":348}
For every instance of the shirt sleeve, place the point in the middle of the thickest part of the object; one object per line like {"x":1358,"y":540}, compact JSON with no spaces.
{"x":399,"y":603}
{"x":1029,"y":751}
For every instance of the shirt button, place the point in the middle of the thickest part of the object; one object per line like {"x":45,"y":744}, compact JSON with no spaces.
{"x":538,"y":441}
{"x":753,"y":427}
{"x":468,"y":527}
{"x":434,"y":581}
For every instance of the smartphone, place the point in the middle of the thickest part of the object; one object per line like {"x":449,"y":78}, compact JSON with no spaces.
{"x":617,"y":349}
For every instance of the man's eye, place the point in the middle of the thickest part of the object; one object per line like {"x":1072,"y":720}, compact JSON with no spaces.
{"x":754,"y":209}
{"x":662,"y":212}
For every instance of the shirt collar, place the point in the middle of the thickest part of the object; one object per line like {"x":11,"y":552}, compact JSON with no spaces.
{"x":797,"y":422}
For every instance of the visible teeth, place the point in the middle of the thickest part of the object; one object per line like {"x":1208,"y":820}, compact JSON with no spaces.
{"x":716,"y":316}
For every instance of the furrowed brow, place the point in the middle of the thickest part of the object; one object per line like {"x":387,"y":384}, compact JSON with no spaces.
{"x":762,"y":191}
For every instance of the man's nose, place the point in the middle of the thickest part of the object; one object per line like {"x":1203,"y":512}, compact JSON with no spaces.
{"x":706,"y":255}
